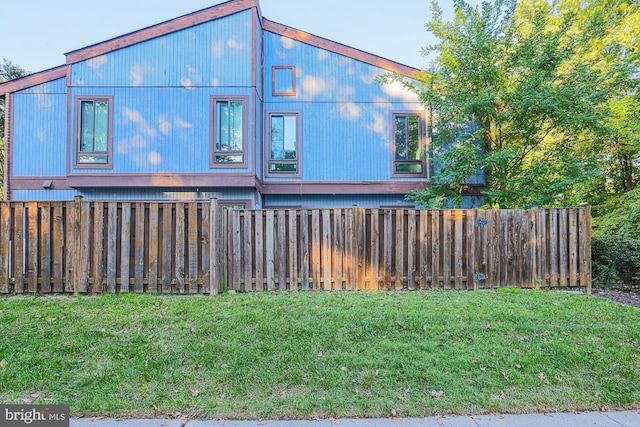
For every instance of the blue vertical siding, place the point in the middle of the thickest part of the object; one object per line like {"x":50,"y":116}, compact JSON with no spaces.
{"x":215,"y":53}
{"x":337,"y":201}
{"x":163,"y":129}
{"x":151,"y":194}
{"x":40,"y":130}
{"x":346,"y":114}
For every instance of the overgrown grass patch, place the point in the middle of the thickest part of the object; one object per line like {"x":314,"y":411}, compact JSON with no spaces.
{"x":300,"y":355}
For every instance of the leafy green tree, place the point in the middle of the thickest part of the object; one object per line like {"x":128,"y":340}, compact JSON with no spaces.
{"x":550,"y":89}
{"x":8,"y":71}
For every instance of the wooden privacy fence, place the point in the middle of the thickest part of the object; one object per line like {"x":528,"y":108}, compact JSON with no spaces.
{"x":201,"y":247}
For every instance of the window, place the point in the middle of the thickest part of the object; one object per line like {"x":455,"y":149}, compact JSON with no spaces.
{"x":283,"y":81}
{"x":229,"y":131}
{"x":93,"y":132}
{"x":408,"y":145}
{"x":284,"y":143}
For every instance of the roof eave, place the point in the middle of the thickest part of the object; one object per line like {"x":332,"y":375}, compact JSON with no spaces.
{"x":33,"y":79}
{"x":341,"y":49}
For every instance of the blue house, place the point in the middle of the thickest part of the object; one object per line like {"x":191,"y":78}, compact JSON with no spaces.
{"x":218,"y":103}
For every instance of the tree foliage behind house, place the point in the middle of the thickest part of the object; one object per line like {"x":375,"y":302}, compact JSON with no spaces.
{"x":554,"y":90}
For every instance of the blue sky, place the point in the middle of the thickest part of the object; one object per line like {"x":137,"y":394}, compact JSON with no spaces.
{"x":35,"y":34}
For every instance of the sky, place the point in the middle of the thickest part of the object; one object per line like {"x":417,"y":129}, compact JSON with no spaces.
{"x":35,"y":34}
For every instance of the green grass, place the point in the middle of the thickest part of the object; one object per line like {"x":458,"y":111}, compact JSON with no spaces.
{"x":320,"y":354}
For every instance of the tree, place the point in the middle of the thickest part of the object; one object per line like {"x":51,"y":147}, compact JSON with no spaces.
{"x":532,"y":94}
{"x":8,"y":71}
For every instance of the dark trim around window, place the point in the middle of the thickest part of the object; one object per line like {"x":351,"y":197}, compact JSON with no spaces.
{"x":235,"y":159}
{"x":271,"y":164}
{"x":274,"y":81}
{"x":413,"y":168}
{"x":79,"y":154}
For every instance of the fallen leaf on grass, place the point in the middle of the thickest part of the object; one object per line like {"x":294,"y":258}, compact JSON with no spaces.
{"x":195,"y":393}
{"x":437,"y":394}
{"x":543,"y":377}
{"x":319,"y":354}
{"x":3,"y":363}
{"x":394,"y":413}
{"x":506,"y":377}
{"x":343,"y":369}
{"x":34,"y":395}
{"x":518,"y":366}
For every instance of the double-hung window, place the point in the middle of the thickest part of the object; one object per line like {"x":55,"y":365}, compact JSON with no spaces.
{"x":408,"y":144}
{"x":229,"y":131}
{"x":93,"y":132}
{"x":284,"y":144}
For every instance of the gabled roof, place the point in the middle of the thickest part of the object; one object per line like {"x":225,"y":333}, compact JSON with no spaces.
{"x":215,"y":12}
{"x":176,"y":24}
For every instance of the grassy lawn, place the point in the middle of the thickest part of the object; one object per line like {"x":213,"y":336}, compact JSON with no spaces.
{"x":320,"y":354}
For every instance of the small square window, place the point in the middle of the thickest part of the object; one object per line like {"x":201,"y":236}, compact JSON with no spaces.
{"x":283,"y":81}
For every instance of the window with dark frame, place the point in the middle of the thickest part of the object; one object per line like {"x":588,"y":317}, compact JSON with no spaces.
{"x":229,"y":131}
{"x":408,"y":145}
{"x":284,"y":143}
{"x":93,"y":130}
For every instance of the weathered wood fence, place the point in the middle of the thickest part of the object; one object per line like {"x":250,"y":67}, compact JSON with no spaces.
{"x":200,"y":247}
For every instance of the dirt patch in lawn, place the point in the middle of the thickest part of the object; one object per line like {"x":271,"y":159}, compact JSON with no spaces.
{"x":626,"y":295}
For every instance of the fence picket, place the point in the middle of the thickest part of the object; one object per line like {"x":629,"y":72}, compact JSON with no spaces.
{"x":400,"y":242}
{"x":411,"y":250}
{"x":458,"y":250}
{"x":18,"y":251}
{"x":293,"y":250}
{"x":315,"y":248}
{"x":259,"y":246}
{"x":448,"y":241}
{"x":125,"y":248}
{"x":375,"y":250}
{"x":424,"y":247}
{"x":139,"y":246}
{"x":5,"y":247}
{"x":32,"y":246}
{"x":45,"y":237}
{"x":281,"y":239}
{"x":112,"y":248}
{"x":269,"y":252}
{"x":192,"y":252}
{"x":167,"y":247}
{"x":154,"y":254}
{"x":326,"y":250}
{"x":304,"y":248}
{"x":58,"y":247}
{"x":248,"y":250}
{"x":96,"y":257}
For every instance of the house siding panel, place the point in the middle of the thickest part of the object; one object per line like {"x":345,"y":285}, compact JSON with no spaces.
{"x":151,"y":194}
{"x":345,"y":113}
{"x":163,"y":129}
{"x":40,"y":130}
{"x":222,"y":58}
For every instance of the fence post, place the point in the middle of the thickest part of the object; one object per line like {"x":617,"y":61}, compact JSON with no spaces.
{"x":77,"y":208}
{"x":214,"y":247}
{"x":587,"y":244}
{"x":535,"y":247}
